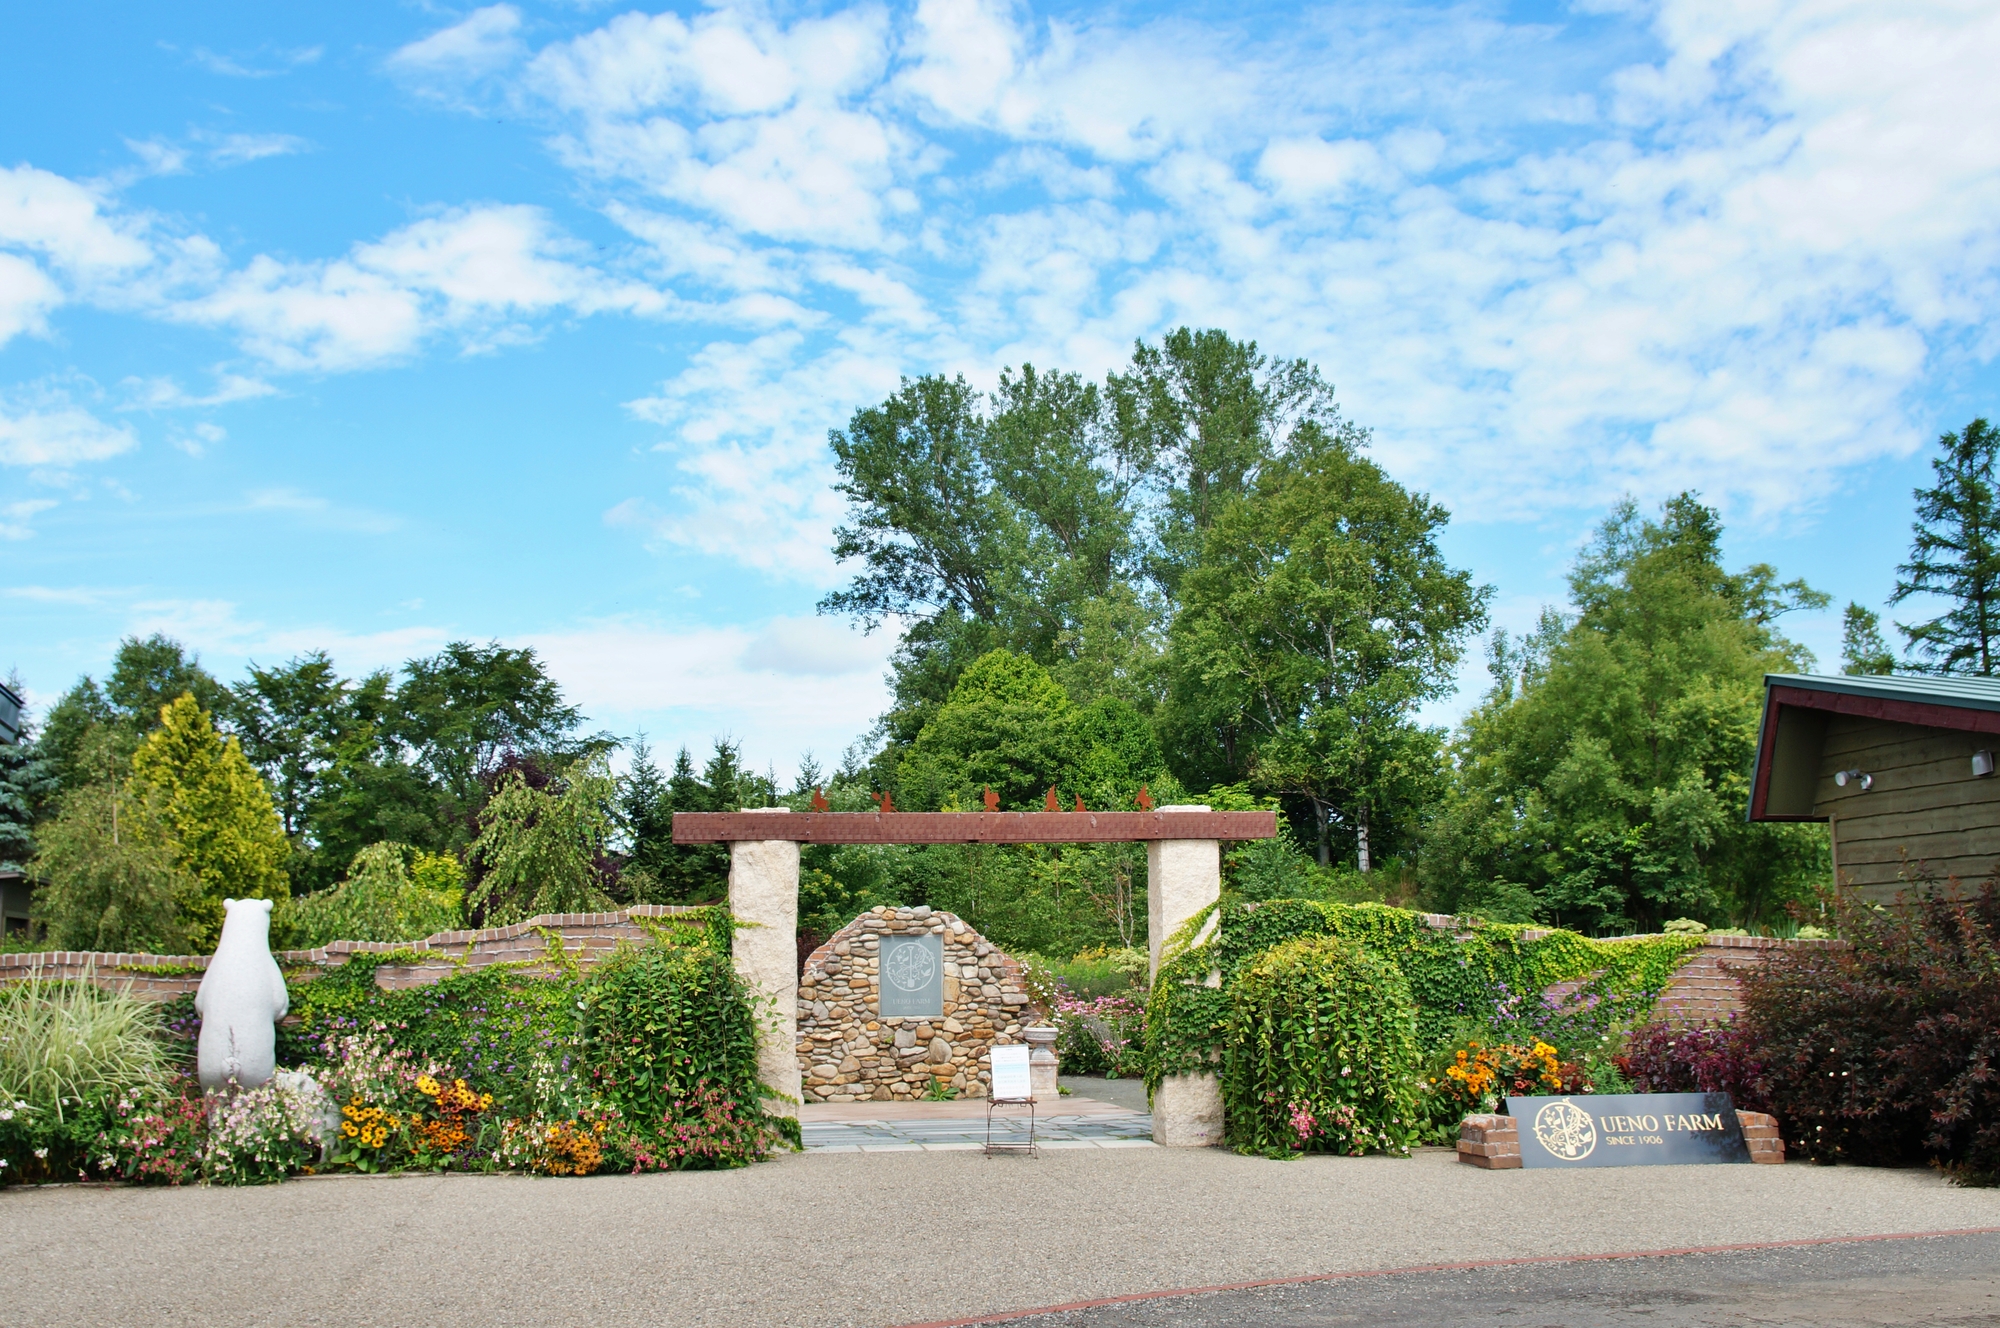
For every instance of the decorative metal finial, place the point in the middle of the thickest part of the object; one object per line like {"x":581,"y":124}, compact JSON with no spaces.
{"x":1145,"y":799}
{"x":883,"y":802}
{"x":1049,"y":803}
{"x":992,"y":799}
{"x":819,"y":802}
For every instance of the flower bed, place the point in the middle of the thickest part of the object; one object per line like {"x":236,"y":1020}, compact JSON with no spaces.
{"x":645,"y":1062}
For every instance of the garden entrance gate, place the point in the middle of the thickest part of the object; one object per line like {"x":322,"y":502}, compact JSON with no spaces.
{"x":1183,"y":876}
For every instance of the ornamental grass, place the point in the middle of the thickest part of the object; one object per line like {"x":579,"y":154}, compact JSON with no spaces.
{"x":66,"y":1044}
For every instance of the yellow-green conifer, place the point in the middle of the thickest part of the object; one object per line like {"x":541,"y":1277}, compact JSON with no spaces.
{"x":225,"y":833}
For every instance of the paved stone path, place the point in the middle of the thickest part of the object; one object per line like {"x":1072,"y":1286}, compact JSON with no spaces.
{"x":1076,"y":1121}
{"x":1130,"y":1130}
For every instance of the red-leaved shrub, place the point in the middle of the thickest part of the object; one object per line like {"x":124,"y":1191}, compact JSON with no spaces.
{"x":1716,"y":1058}
{"x":1887,"y":1049}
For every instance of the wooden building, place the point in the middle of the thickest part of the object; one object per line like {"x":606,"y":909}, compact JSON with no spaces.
{"x":1900,"y":768}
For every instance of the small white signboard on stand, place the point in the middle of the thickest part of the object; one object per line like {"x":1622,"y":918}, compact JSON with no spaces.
{"x":1011,"y":1083}
{"x":1010,"y":1074}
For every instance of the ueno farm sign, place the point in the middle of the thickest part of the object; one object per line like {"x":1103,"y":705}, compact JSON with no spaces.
{"x":1626,"y":1130}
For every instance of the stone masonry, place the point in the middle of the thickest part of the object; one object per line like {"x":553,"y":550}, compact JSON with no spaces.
{"x":849,"y":1053}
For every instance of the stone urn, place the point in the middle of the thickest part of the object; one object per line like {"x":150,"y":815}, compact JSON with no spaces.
{"x":1042,"y":1064}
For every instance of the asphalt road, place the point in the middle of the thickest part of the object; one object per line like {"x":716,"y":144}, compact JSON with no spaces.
{"x":1935,"y":1280}
{"x":876,"y":1238}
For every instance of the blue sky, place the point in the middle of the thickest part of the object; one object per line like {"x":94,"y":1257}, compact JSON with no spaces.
{"x":374,"y":326}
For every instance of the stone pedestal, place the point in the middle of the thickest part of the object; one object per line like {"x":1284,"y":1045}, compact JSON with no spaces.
{"x":764,"y":897}
{"x":1183,"y":877}
{"x":1187,"y":1112}
{"x":1042,"y":1066}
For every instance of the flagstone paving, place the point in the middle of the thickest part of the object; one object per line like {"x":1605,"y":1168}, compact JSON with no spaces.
{"x":886,"y":1127}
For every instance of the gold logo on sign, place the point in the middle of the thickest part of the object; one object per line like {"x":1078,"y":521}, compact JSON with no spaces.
{"x":1566,"y":1130}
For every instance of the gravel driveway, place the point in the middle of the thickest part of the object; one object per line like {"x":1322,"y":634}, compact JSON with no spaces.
{"x":873,"y":1238}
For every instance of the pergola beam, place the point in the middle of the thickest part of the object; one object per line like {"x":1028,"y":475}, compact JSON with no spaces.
{"x":971,"y":827}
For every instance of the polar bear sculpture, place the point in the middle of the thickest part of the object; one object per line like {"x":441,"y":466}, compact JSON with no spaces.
{"x":241,"y":999}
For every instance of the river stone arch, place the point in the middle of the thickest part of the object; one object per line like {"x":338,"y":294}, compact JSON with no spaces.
{"x":851,"y":1051}
{"x":1183,"y":876}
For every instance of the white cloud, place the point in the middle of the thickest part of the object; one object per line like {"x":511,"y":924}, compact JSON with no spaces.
{"x":66,"y":222}
{"x":780,"y":688}
{"x":235,"y":149}
{"x":476,"y":271}
{"x":312,"y":510}
{"x":266,"y":64}
{"x":164,"y":393}
{"x":78,"y":595}
{"x":56,"y":435}
{"x":747,"y":427}
{"x":14,"y":517}
{"x":779,"y":145}
{"x":26,"y":297}
{"x":481,"y":43}
{"x":159,"y":157}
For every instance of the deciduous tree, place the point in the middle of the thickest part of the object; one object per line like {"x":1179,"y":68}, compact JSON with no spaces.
{"x":1603,"y":783}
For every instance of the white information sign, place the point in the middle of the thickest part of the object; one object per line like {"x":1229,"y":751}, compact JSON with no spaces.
{"x":1010,"y":1073}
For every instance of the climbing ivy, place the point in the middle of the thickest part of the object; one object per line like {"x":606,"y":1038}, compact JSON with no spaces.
{"x":1488,"y":972}
{"x":1321,"y":1053}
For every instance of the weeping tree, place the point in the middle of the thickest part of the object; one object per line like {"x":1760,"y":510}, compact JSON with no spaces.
{"x":106,"y":876}
{"x":543,"y":850}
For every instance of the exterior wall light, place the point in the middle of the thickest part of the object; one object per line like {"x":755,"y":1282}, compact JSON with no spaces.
{"x":1982,"y":763}
{"x":1846,"y":777}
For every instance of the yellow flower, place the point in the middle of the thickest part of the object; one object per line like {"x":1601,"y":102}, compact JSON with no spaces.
{"x":427,"y":1085}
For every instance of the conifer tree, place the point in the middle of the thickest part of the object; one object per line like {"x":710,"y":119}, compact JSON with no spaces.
{"x":225,"y":832}
{"x":1956,"y":556}
{"x":1862,"y":650}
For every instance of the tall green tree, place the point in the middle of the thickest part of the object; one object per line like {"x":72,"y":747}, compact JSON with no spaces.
{"x":983,"y":522}
{"x":1320,"y":615}
{"x":146,"y":676}
{"x":1863,"y":652}
{"x":459,"y":710}
{"x":1195,"y":419}
{"x":1955,"y":556}
{"x":28,"y":786}
{"x":1603,"y":782}
{"x":221,"y":826}
{"x":1009,"y":726}
{"x":293,"y":721}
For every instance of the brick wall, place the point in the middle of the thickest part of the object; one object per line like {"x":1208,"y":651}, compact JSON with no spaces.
{"x":1701,"y":990}
{"x":586,"y":937}
{"x":1704,"y":989}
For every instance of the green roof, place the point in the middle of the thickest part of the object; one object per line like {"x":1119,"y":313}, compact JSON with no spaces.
{"x":1927,"y":688}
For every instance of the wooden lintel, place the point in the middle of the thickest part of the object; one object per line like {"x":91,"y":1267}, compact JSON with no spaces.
{"x":969,"y":827}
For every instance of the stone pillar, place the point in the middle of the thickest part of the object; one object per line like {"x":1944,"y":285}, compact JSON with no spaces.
{"x":1042,"y":1068}
{"x":764,"y":897}
{"x":1183,"y":876}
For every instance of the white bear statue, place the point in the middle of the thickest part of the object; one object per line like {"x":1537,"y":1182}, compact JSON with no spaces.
{"x":241,"y":999}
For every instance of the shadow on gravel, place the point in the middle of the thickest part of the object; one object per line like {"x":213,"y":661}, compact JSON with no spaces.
{"x":1949,"y":1280}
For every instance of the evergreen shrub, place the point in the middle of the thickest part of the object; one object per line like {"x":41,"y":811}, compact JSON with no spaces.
{"x":1321,"y":1052}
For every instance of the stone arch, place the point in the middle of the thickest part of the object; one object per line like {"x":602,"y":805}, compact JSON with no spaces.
{"x":849,"y":1051}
